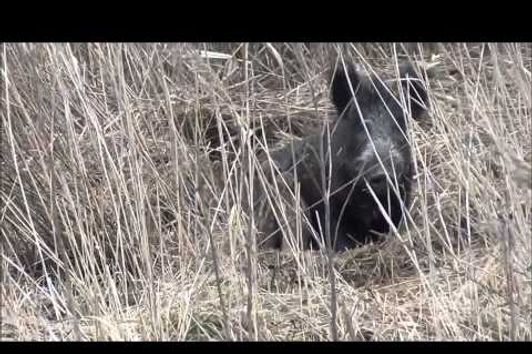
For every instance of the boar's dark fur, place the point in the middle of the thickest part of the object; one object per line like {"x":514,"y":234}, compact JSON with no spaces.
{"x":368,"y":165}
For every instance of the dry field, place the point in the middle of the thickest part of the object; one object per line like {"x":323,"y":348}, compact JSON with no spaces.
{"x":124,"y":171}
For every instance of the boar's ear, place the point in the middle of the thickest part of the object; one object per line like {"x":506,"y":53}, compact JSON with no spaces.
{"x":414,"y":90}
{"x":340,"y":90}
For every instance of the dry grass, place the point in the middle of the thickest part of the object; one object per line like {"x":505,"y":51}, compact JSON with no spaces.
{"x":124,"y":171}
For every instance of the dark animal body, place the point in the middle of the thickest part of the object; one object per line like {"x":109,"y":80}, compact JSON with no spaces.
{"x":364,"y":161}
